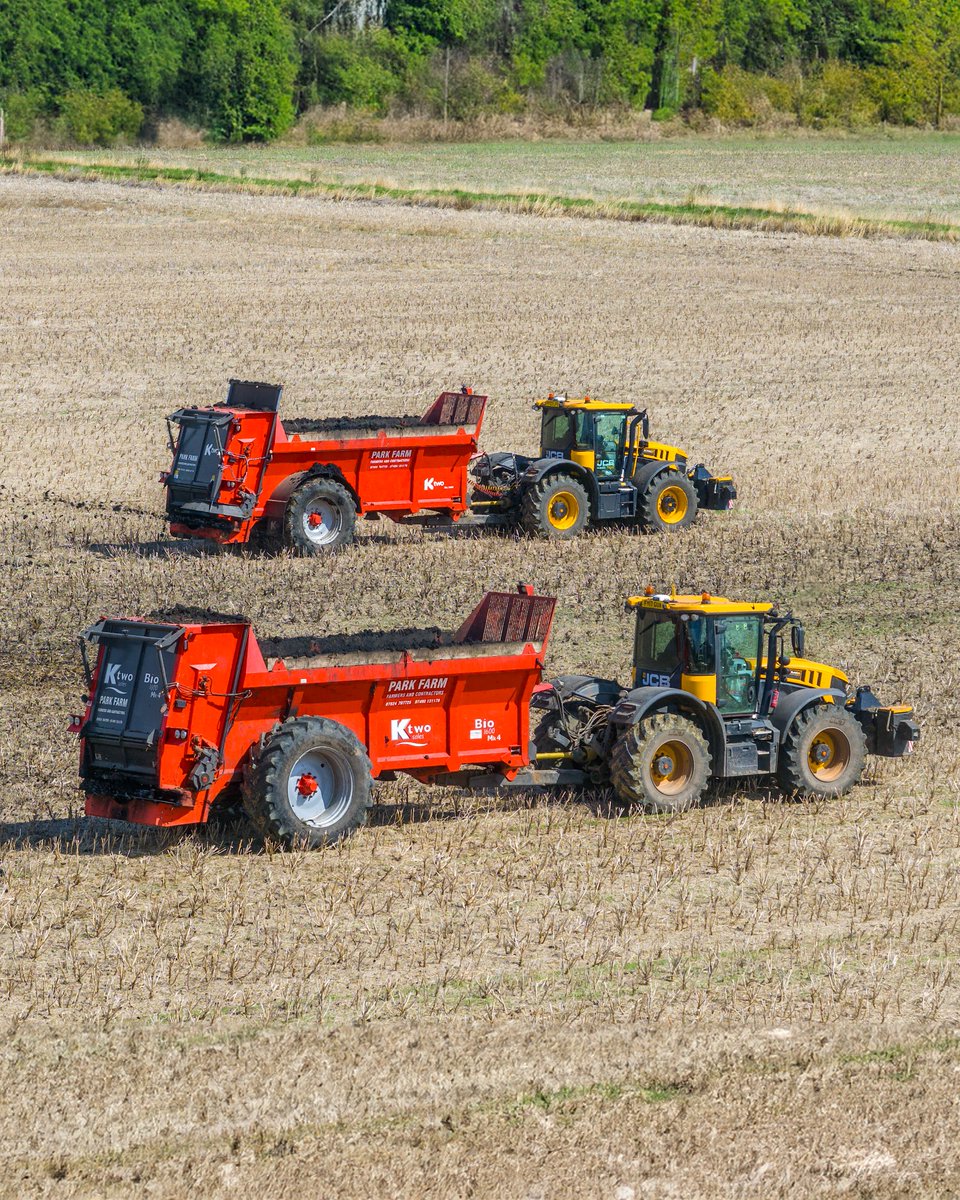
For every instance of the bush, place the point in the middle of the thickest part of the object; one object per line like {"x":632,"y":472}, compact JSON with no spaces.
{"x":363,"y":72}
{"x":736,"y":97}
{"x":723,"y":96}
{"x":22,"y":114}
{"x":99,"y":118}
{"x":474,"y":90}
{"x":838,"y":96}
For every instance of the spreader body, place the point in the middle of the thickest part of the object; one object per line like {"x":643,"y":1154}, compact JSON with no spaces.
{"x":177,"y":713}
{"x":236,"y":466}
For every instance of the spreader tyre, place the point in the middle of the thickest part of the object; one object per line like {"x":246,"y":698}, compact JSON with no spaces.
{"x":668,"y":503}
{"x":824,"y":752}
{"x":661,"y":763}
{"x":556,"y":507}
{"x":320,"y":516}
{"x":311,"y":784}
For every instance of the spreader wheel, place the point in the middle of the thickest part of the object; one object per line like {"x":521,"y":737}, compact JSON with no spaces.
{"x":669,"y":502}
{"x":824,"y":752}
{"x":312,"y":784}
{"x":661,"y":763}
{"x":320,"y":517}
{"x":557,"y":507}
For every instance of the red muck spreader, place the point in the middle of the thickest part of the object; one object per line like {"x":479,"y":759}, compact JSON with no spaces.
{"x":184,"y":716}
{"x":237,"y":468}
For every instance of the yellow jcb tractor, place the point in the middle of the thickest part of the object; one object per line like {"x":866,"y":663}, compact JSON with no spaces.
{"x":719,"y":689}
{"x":597,"y":463}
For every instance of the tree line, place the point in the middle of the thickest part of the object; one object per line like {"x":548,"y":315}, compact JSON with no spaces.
{"x":245,"y":69}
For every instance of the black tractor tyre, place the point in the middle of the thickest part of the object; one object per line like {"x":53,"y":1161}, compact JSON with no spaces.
{"x":311,"y":785}
{"x":662,"y":764}
{"x":668,"y":503}
{"x":320,"y":517}
{"x":824,"y":752}
{"x":555,"y":507}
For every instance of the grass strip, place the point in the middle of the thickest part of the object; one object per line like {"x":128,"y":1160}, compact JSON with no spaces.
{"x":714,"y":216}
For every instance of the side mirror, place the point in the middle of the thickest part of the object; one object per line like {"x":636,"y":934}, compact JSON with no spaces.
{"x":797,"y":639}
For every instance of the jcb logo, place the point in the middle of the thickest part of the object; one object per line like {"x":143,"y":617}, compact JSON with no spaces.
{"x":650,"y":679}
{"x":405,"y":733}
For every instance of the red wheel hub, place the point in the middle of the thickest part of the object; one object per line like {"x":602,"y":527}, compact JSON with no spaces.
{"x":307,"y":785}
{"x":314,"y":520}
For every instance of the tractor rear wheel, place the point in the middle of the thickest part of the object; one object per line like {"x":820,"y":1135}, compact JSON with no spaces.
{"x":668,"y":503}
{"x":824,"y":752}
{"x":556,"y":507}
{"x":311,"y":784}
{"x":320,"y":516}
{"x":661,"y":763}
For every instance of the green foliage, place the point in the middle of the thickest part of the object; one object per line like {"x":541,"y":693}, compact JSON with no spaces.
{"x":245,"y":68}
{"x":838,"y":95}
{"x":99,"y":118}
{"x":241,"y":74}
{"x":926,"y":57}
{"x":723,"y":94}
{"x":22,"y":112}
{"x":737,"y":97}
{"x":362,"y":72}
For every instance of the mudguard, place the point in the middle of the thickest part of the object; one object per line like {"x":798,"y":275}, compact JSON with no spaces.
{"x":645,"y":474}
{"x":640,"y":702}
{"x":290,"y":484}
{"x":792,"y":704}
{"x":541,"y":467}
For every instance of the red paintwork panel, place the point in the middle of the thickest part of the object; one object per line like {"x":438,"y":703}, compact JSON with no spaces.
{"x":463,"y":706}
{"x":402,"y":473}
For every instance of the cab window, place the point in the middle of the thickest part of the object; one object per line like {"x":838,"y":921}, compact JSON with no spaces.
{"x":738,"y":659}
{"x":562,"y":431}
{"x":608,"y":443}
{"x":656,"y":650}
{"x":558,"y":431}
{"x":701,"y":656}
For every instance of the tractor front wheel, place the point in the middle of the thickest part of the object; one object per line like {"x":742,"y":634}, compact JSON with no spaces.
{"x":669,"y":502}
{"x":311,"y":784}
{"x":824,"y":752}
{"x":556,"y":507}
{"x":320,"y":517}
{"x":662,"y":763}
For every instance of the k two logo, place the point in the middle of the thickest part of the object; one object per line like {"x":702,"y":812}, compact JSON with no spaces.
{"x":115,"y":679}
{"x":405,"y":733}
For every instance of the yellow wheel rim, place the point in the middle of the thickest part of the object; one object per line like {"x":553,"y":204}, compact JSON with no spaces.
{"x":672,"y":504}
{"x":563,"y":510}
{"x":671,"y":767}
{"x":828,"y":754}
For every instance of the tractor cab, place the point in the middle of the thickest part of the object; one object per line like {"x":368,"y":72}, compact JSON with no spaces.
{"x":705,"y":645}
{"x":610,"y":440}
{"x":594,"y":435}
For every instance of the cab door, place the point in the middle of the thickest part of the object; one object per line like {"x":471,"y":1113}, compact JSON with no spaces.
{"x":558,"y":433}
{"x":608,"y":443}
{"x":656,"y":653}
{"x":738,"y":662}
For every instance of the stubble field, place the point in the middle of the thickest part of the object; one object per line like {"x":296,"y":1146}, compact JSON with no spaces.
{"x":482,"y":997}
